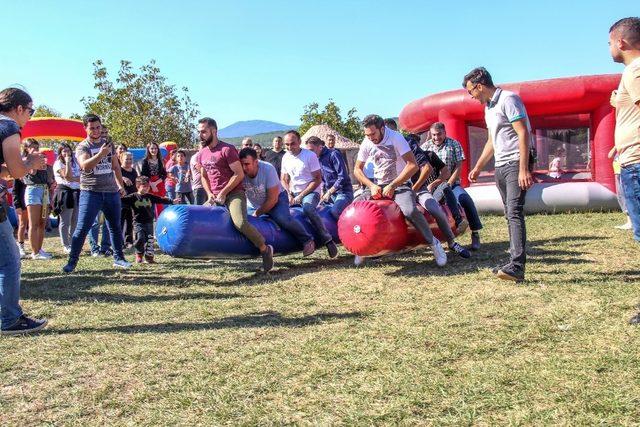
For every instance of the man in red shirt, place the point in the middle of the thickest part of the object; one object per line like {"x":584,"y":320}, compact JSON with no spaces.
{"x":222,"y":178}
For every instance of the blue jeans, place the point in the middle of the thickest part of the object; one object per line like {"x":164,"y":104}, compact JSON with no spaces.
{"x":309,"y":205}
{"x":469,"y":207}
{"x":280,"y":215}
{"x":92,"y":202}
{"x":105,"y":242}
{"x":630,"y":178}
{"x":9,"y":276}
{"x":339,"y":202}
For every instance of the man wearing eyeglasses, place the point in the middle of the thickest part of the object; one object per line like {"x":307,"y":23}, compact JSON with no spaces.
{"x":508,"y":142}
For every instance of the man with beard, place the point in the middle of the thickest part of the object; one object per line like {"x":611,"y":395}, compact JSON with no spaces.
{"x":222,"y":175}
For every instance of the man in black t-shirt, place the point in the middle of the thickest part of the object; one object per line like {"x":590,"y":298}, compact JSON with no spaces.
{"x":274,"y":156}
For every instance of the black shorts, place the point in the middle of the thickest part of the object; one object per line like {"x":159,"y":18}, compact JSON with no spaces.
{"x":18,"y":197}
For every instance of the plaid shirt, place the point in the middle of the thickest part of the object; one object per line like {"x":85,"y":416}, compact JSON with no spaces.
{"x":450,"y":152}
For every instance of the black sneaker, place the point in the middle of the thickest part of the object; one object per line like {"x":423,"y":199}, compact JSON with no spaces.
{"x":69,"y":267}
{"x":475,"y":241}
{"x":267,"y":259}
{"x":460,"y":250}
{"x":505,"y":274}
{"x":107,"y":253}
{"x":332,"y":249}
{"x":635,"y":320}
{"x":25,"y":325}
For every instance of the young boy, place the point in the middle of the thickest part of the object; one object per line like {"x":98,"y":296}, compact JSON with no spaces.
{"x":142,"y":204}
{"x":181,"y":173}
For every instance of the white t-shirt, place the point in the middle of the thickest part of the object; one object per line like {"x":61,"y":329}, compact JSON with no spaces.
{"x":386,"y":155}
{"x":300,"y":169}
{"x":75,"y":171}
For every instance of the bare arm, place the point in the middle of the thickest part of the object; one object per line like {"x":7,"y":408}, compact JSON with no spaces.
{"x":272,"y":199}
{"x":285,"y":179}
{"x":317,"y":180}
{"x":425,"y":171}
{"x":444,"y":175}
{"x":238,"y":176}
{"x":15,"y":166}
{"x":205,"y":181}
{"x":358,"y":172}
{"x":87,"y":162}
{"x":410,"y":168}
{"x":524,"y":176}
{"x":455,"y":173}
{"x":117,"y":172}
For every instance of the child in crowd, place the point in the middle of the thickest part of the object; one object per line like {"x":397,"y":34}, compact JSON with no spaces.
{"x":181,"y":174}
{"x":142,"y":204}
{"x":556,"y":164}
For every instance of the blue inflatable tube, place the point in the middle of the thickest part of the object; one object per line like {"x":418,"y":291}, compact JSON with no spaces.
{"x":188,"y":231}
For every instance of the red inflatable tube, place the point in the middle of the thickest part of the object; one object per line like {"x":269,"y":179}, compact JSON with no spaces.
{"x":377,"y":227}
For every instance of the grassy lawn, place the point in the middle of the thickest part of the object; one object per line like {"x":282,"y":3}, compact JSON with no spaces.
{"x":398,"y":341}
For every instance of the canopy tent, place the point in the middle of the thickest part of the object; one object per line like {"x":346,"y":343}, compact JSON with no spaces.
{"x":347,"y":147}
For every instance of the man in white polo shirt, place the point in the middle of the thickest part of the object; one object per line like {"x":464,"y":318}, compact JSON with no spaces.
{"x":624,"y":44}
{"x":508,"y":142}
{"x":301,"y":178}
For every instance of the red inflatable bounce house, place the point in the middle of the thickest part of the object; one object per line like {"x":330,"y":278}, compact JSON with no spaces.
{"x":571,"y":120}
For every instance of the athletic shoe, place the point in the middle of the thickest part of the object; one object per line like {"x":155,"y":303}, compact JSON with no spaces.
{"x":66,"y":250}
{"x":23,"y":254}
{"x":106,"y":253}
{"x":332,"y":249}
{"x":149,"y":259}
{"x":45,"y":254}
{"x":267,"y":259}
{"x":506,"y":274}
{"x":475,"y":241}
{"x":627,"y":226}
{"x":358,"y":260}
{"x":40,"y":257}
{"x":25,"y":325}
{"x":635,"y":320}
{"x":69,"y":267}
{"x":462,"y":226}
{"x":95,"y":254}
{"x":139,"y":258}
{"x":439,"y":253}
{"x":309,"y":248}
{"x":460,"y":250}
{"x":121,"y":263}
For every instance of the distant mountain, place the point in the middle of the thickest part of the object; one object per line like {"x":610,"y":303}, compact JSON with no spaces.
{"x":252,"y":127}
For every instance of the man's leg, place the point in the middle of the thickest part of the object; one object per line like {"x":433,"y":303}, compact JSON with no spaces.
{"x":282,"y":216}
{"x":469,"y":207}
{"x":105,"y":239}
{"x":405,"y":198}
{"x":340,"y":202}
{"x":111,"y":207}
{"x":630,"y":177}
{"x":88,"y":208}
{"x":309,"y":205}
{"x":9,"y":276}
{"x":513,"y":197}
{"x":237,"y":205}
{"x":427,"y":201}
{"x":94,"y":236}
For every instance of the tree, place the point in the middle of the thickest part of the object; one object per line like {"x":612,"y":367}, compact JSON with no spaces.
{"x":46,"y":111}
{"x":330,"y":115}
{"x":142,"y":107}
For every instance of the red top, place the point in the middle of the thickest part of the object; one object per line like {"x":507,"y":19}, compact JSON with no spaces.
{"x":216,"y":162}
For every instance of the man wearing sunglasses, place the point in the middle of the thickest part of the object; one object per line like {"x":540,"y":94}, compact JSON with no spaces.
{"x":509,"y":139}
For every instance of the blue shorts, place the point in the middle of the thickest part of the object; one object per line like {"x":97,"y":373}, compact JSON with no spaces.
{"x":35,"y":195}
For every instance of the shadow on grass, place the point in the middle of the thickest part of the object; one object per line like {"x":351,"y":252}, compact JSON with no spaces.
{"x":268,"y":319}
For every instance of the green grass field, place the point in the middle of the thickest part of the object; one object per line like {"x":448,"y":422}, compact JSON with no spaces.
{"x":398,"y":341}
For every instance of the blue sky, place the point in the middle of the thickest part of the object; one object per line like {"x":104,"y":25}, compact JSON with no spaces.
{"x":265,"y":60}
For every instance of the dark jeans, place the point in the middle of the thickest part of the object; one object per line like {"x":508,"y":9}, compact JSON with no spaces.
{"x":309,"y":207}
{"x":339,"y":202}
{"x":469,"y":207}
{"x":443,"y":191}
{"x":513,"y":198}
{"x":144,"y":238}
{"x":126,"y":224}
{"x":630,"y":178}
{"x":280,"y":215}
{"x":186,"y":198}
{"x":200,"y":196}
{"x":104,"y":244}
{"x":92,"y":202}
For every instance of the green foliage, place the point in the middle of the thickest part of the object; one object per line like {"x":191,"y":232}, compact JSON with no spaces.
{"x":330,"y":115}
{"x":141,"y":106}
{"x":46,"y":111}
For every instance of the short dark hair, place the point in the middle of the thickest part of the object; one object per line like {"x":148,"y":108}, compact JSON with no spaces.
{"x":248,"y":152}
{"x":373,"y":120}
{"x":478,"y":75}
{"x":90,"y":118}
{"x":12,"y":97}
{"x":391,"y":124}
{"x":439,"y":126}
{"x":629,"y":29}
{"x":181,"y":151}
{"x":142,"y":179}
{"x":293,"y":132}
{"x":314,"y":140}
{"x":209,"y":121}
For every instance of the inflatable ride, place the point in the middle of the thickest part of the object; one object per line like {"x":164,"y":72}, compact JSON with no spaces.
{"x":559,"y":105}
{"x":365,"y":228}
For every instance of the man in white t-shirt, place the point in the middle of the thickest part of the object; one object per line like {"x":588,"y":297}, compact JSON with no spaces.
{"x":301,"y":178}
{"x":624,"y":45}
{"x":394,"y":164}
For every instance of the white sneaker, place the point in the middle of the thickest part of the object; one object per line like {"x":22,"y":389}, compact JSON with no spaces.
{"x":66,"y":250}
{"x":439,"y":253}
{"x":23,"y":254}
{"x":627,"y":226}
{"x":39,"y":257}
{"x":47,"y":255}
{"x":120,"y":263}
{"x":358,"y":260}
